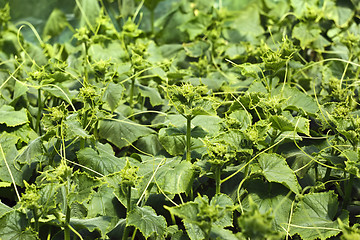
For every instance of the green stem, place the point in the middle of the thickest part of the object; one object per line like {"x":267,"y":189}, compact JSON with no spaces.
{"x":327,"y":175}
{"x":134,"y":234}
{"x":348,"y":188}
{"x":128,"y":209}
{"x":38,"y":117}
{"x":68,"y":212}
{"x":36,"y":218}
{"x":131,"y":101}
{"x":218,"y":179}
{"x":67,"y":222}
{"x":152,"y":21}
{"x":188,"y":138}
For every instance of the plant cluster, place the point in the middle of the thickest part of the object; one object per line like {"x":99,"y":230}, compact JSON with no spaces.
{"x":176,"y":119}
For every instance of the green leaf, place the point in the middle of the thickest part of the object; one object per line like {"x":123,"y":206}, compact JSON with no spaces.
{"x":55,"y":24}
{"x":11,"y":117}
{"x":14,"y":225}
{"x":151,"y":93}
{"x":113,"y":95}
{"x":149,"y":144}
{"x":196,"y":26}
{"x":122,"y":132}
{"x":221,"y":233}
{"x":50,"y":197}
{"x":306,"y":33}
{"x":289,"y":123}
{"x":74,"y":128}
{"x":270,"y":197}
{"x":196,"y":48}
{"x":297,"y":100}
{"x":314,"y":216}
{"x":175,"y":176}
{"x":102,"y":203}
{"x":223,"y":201}
{"x":89,"y":13}
{"x":275,"y":169}
{"x":199,"y":215}
{"x":301,"y":6}
{"x":246,"y":26}
{"x":4,"y":209}
{"x":19,"y":90}
{"x":147,"y":221}
{"x":82,"y":187}
{"x":8,"y":160}
{"x":175,"y":145}
{"x":101,"y":159}
{"x":341,"y":13}
{"x":31,"y":152}
{"x":112,"y":51}
{"x":101,"y":223}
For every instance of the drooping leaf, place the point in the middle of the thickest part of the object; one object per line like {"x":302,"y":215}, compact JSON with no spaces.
{"x":175,"y":176}
{"x":275,"y":169}
{"x":152,"y":94}
{"x":175,"y":145}
{"x":122,"y":132}
{"x":196,"y":48}
{"x":297,"y":100}
{"x":114,"y":51}
{"x":101,"y":223}
{"x":83,"y":186}
{"x":74,"y":128}
{"x":147,"y":221}
{"x":11,"y":117}
{"x":55,"y":24}
{"x":9,"y":168}
{"x":289,"y":123}
{"x":90,"y":11}
{"x":113,"y":95}
{"x":102,"y":203}
{"x":101,"y":159}
{"x":4,"y":209}
{"x":314,"y":216}
{"x":31,"y":152}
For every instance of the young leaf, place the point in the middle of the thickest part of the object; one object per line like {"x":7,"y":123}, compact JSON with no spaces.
{"x":147,"y":221}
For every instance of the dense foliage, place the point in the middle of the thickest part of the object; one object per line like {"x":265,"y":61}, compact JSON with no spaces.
{"x":179,"y":119}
